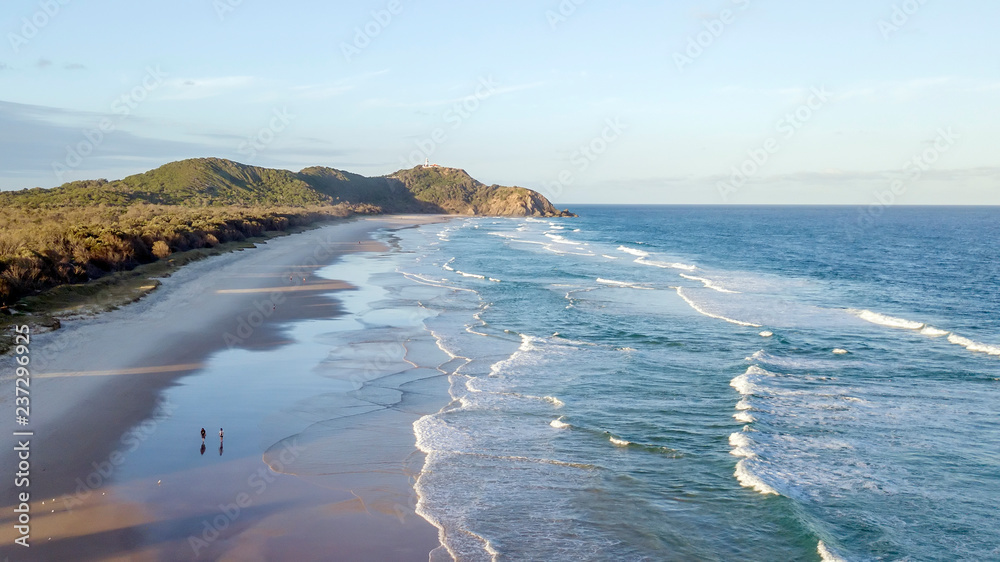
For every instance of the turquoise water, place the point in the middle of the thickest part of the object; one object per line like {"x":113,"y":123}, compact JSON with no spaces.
{"x":714,"y":383}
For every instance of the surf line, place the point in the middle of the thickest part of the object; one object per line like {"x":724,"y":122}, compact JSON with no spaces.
{"x":680,"y":293}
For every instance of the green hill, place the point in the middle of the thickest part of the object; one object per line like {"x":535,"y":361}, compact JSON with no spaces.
{"x":85,"y":230}
{"x":203,"y":182}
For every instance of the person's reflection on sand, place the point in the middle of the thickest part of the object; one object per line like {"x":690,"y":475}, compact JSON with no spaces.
{"x":220,"y":449}
{"x":203,"y":448}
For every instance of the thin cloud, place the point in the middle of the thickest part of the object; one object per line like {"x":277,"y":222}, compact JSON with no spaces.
{"x":43,"y":63}
{"x":202,"y":88}
{"x":321,"y":92}
{"x":496,"y":91}
{"x":326,"y":91}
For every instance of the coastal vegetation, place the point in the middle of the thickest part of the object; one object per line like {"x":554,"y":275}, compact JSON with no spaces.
{"x":84,"y":231}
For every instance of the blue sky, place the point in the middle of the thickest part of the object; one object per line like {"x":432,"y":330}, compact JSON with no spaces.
{"x":588,"y":101}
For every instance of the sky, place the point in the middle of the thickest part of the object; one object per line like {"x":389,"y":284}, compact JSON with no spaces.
{"x":856,"y":102}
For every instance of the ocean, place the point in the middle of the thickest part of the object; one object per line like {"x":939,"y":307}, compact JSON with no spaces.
{"x":710,"y":383}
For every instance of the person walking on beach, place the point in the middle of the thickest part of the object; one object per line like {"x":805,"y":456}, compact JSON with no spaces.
{"x":203,"y":435}
{"x":220,"y":434}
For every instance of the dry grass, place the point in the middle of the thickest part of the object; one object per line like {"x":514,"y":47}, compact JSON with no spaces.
{"x":41,"y":248}
{"x":44,"y":310}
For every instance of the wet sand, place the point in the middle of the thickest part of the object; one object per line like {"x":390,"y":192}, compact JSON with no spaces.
{"x":117,"y":401}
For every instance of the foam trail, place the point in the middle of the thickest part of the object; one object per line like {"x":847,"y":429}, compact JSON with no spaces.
{"x":680,"y":292}
{"x":633,"y":251}
{"x":748,"y":479}
{"x":827,"y":555}
{"x":622,"y":284}
{"x":888,"y":321}
{"x":708,"y":283}
{"x":973,"y":345}
{"x":666,"y":265}
{"x":741,"y":446}
{"x":559,"y":424}
{"x":554,"y":401}
{"x":425,"y":281}
{"x":619,"y":442}
{"x":881,"y":319}
{"x":743,"y":383}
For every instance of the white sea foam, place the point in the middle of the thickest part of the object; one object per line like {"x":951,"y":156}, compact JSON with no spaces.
{"x":622,"y":284}
{"x":619,"y":442}
{"x":888,"y":321}
{"x":741,"y":446}
{"x":559,"y":424}
{"x":691,"y":303}
{"x":827,"y":555}
{"x":708,"y":283}
{"x":633,"y":251}
{"x":973,"y":345}
{"x":745,"y":383}
{"x":473,"y":275}
{"x":933,"y":332}
{"x":743,"y":404}
{"x":666,"y":265}
{"x":609,"y":257}
{"x":748,"y":479}
{"x":840,"y":351}
{"x":766,"y":334}
{"x":494,"y":280}
{"x":554,"y":401}
{"x":744,"y":417}
{"x":432,"y":282}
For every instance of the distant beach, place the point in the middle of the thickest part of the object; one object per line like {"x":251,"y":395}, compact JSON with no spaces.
{"x":119,"y":400}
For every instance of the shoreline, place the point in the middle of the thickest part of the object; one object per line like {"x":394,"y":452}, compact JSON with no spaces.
{"x":90,"y":405}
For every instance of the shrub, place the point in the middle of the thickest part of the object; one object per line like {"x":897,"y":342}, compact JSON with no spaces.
{"x":160,"y":249}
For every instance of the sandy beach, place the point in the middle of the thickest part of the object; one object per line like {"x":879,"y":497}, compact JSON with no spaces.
{"x":318,"y":458}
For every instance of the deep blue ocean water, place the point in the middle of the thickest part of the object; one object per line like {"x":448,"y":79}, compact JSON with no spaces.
{"x":706,"y":383}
